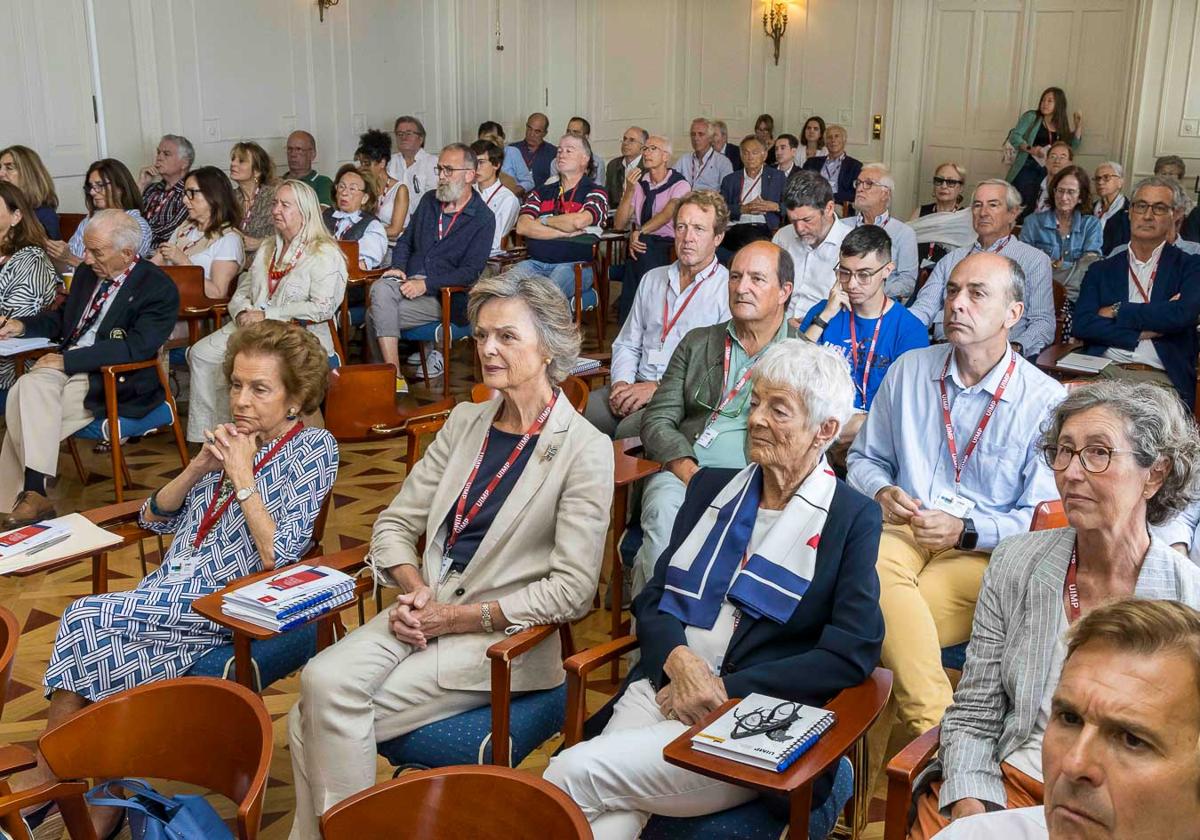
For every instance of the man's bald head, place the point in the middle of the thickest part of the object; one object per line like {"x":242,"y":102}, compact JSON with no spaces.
{"x":301,"y":152}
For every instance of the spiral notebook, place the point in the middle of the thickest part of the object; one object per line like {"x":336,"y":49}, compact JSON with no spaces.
{"x":775,"y":750}
{"x":290,"y":595}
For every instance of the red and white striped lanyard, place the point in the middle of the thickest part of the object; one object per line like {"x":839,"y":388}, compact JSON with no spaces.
{"x":1144,"y":292}
{"x":753,"y":184}
{"x":669,"y":323}
{"x":696,"y":173}
{"x":449,"y":227}
{"x":983,"y":421}
{"x":496,"y":189}
{"x":870,"y":349}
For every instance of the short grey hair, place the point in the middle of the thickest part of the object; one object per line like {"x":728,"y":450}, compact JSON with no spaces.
{"x":558,"y":334}
{"x":817,"y":373}
{"x":470,"y":159}
{"x":1012,"y":197}
{"x":663,"y":142}
{"x":1157,"y":426}
{"x":707,"y":123}
{"x":120,"y":229}
{"x":885,"y":175}
{"x":184,"y":145}
{"x":719,"y":125}
{"x":1117,"y":168}
{"x":1179,"y":199}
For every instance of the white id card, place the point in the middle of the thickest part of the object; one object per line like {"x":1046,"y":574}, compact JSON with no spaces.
{"x":706,"y":438}
{"x":955,"y":505}
{"x":182,"y":564}
{"x":658,"y":356}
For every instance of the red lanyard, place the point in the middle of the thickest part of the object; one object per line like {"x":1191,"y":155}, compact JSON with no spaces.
{"x":450,"y":226}
{"x":983,"y":421}
{"x":870,"y":349}
{"x":996,"y":246}
{"x":753,"y":184}
{"x":276,"y":272}
{"x":696,"y":173}
{"x":1071,"y":589}
{"x":217,"y":507}
{"x":564,"y":204}
{"x":1145,"y":293}
{"x":736,"y":389}
{"x":463,"y":517}
{"x":669,"y":324}
{"x":528,"y":158}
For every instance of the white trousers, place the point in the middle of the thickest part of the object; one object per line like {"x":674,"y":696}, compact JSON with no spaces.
{"x":369,"y":687}
{"x":208,"y":403}
{"x":620,"y":777}
{"x":45,"y":406}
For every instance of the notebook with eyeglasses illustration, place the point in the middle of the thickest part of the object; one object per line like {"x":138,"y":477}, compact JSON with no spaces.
{"x":765,"y":732}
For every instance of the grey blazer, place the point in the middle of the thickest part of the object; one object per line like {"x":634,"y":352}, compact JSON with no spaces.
{"x":1010,"y":656}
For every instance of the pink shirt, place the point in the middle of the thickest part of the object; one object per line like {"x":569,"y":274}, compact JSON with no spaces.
{"x":678,"y":190}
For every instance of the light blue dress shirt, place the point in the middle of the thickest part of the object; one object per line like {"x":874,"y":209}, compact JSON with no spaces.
{"x":903,"y":441}
{"x":515,"y":166}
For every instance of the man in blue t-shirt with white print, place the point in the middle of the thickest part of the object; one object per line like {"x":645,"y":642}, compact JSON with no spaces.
{"x":857,"y":318}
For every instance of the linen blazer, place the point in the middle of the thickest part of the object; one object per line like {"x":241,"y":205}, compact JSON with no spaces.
{"x":1011,"y":651}
{"x":541,"y":556}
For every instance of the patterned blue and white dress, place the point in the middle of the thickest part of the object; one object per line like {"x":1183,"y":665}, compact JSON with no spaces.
{"x":109,"y":643}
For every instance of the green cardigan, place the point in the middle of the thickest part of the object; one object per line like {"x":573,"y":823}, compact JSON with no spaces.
{"x":1024,"y":132}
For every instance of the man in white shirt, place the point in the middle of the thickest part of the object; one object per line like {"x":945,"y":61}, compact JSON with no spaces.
{"x":499,"y":198}
{"x":812,"y":238}
{"x":1119,"y":756}
{"x":704,"y":168}
{"x":671,"y":300}
{"x":411,"y":163}
{"x":873,"y":200}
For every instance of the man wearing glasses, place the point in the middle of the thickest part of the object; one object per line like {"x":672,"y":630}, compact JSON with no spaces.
{"x":994,"y":210}
{"x":301,"y":152}
{"x":1139,"y":308}
{"x":411,"y":164}
{"x":951,"y":451}
{"x":698,"y":415}
{"x":873,"y":200}
{"x":536,"y":152}
{"x":621,"y":168}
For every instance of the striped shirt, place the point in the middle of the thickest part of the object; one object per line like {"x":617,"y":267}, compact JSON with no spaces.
{"x":27,"y":286}
{"x":163,"y":208}
{"x":554,"y":200}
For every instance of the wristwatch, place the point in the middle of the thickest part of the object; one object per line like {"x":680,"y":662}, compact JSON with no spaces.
{"x":820,"y":322}
{"x":1116,"y":308}
{"x":245,"y":493}
{"x":969,"y":538}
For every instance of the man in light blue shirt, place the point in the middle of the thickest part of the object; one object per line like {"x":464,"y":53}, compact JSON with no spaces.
{"x":947,"y":501}
{"x":873,"y":200}
{"x":705,"y":168}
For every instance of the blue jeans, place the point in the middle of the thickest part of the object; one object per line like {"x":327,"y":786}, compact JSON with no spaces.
{"x":560,"y":274}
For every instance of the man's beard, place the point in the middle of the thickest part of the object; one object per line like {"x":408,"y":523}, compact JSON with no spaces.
{"x":450,"y":192}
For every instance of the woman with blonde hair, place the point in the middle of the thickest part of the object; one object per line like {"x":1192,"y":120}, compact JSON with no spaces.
{"x":299,"y":275}
{"x":22,"y":167}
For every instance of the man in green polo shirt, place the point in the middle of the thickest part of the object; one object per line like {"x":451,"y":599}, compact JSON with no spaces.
{"x":698,"y":416}
{"x":301,"y":152}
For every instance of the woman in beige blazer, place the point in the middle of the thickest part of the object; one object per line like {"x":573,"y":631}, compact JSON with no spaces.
{"x":506,"y":547}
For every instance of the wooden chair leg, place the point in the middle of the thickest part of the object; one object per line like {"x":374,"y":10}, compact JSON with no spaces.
{"x":424,"y":363}
{"x":601,"y":302}
{"x":118,"y":462}
{"x":100,"y":573}
{"x":446,"y":348}
{"x":73,"y":448}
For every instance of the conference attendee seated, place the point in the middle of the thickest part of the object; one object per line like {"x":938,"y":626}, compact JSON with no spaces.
{"x":873,"y":201}
{"x":704,"y":168}
{"x":1059,"y":156}
{"x":836,"y":167}
{"x":162,"y":186}
{"x":301,"y":152}
{"x":120,"y":309}
{"x":579,"y":127}
{"x":861,"y":321}
{"x":503,"y":203}
{"x":785,"y":153}
{"x":446,"y":244}
{"x":352,"y":217}
{"x":950,"y":494}
{"x":754,"y":197}
{"x":812,"y":138}
{"x":106,"y":186}
{"x":28,"y":282}
{"x":537,"y":154}
{"x":253,"y":177}
{"x":812,"y":237}
{"x":299,"y":274}
{"x":1140,"y":308}
{"x":514,"y":174}
{"x":511,"y":502}
{"x":671,"y":301}
{"x":948,"y":180}
{"x":723,"y":146}
{"x":1119,"y":753}
{"x":372,"y":155}
{"x":798,"y":622}
{"x":1066,"y":233}
{"x":411,"y":164}
{"x":1170,"y":166}
{"x":697,"y":416}
{"x":554,"y":217}
{"x":995,"y":206}
{"x":652,"y":195}
{"x":22,"y":167}
{"x":209,"y":237}
{"x":621,"y":168}
{"x":1111,"y":208}
{"x":764,"y":130}
{"x":1124,"y":457}
{"x":246,"y":503}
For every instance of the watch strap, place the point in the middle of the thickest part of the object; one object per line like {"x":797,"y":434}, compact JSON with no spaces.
{"x":820,"y":322}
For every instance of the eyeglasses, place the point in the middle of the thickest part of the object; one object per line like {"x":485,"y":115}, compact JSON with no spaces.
{"x":773,"y":723}
{"x":946,"y":182}
{"x":349,"y":188}
{"x":191,"y":193}
{"x":653,"y":148}
{"x":96,"y":186}
{"x":845,"y":275}
{"x":1102,"y":179}
{"x":1066,"y":191}
{"x":865,"y":183}
{"x":729,"y":412}
{"x":1143,"y":207}
{"x":1094,"y":459}
{"x":447,"y":171}
{"x":403,"y":134}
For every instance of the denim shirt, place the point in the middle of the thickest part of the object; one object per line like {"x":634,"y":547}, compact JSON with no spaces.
{"x":1041,"y":231}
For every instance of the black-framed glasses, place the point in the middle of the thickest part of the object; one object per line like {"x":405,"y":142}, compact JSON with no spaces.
{"x":1094,"y":458}
{"x":1144,"y":207}
{"x":96,"y":186}
{"x":406,"y":133}
{"x":191,"y":193}
{"x":946,"y":182}
{"x":867,"y":183}
{"x":447,"y":171}
{"x":773,"y":723}
{"x":730,"y":411}
{"x":845,"y":275}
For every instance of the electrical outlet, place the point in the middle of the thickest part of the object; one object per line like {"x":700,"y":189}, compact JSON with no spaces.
{"x":212,"y":130}
{"x":1190,"y":128}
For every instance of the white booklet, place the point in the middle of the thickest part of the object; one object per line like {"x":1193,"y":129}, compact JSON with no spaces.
{"x":289,"y":592}
{"x":13,"y":346}
{"x":1084,"y":363}
{"x":81,"y":536}
{"x":796,"y":728}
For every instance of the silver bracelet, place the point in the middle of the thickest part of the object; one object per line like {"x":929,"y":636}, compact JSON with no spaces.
{"x":485,"y":617}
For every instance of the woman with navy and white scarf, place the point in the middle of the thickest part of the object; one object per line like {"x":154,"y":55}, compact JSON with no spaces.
{"x":768,"y":585}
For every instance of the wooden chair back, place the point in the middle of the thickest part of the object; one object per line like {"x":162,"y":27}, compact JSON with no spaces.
{"x":350,"y":252}
{"x":362,"y":398}
{"x":202,"y":731}
{"x":10,"y":631}
{"x":506,"y":804}
{"x":574,"y":388}
{"x":1060,"y":301}
{"x":189,"y":280}
{"x":68,"y":223}
{"x":1048,"y":515}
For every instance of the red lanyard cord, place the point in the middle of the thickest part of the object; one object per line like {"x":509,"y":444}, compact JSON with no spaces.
{"x":959,"y":466}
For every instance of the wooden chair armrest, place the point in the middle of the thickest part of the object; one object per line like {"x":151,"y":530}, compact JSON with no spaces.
{"x":46,"y":792}
{"x":425,"y":420}
{"x":117,"y":514}
{"x":15,"y":758}
{"x":578,"y":667}
{"x":446,"y":291}
{"x":502,"y":654}
{"x":113,"y":370}
{"x":902,"y":772}
{"x":519,"y":643}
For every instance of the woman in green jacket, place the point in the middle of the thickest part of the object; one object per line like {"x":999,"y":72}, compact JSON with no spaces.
{"x":1033,"y":134}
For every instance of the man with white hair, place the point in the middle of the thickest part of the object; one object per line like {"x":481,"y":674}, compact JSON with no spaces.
{"x":120,"y":309}
{"x":723,"y":146}
{"x":836,"y":167}
{"x":873,"y":200}
{"x":1112,"y":209}
{"x":162,"y":186}
{"x":705,"y":168}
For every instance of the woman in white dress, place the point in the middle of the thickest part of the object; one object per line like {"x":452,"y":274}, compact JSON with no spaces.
{"x":373,"y":153}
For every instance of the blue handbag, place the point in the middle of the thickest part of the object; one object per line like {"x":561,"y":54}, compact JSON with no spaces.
{"x":153,"y":816}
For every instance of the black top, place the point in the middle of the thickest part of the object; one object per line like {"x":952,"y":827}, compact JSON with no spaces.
{"x":500,"y":446}
{"x":931,"y":250}
{"x":1043,"y":136}
{"x":1191,"y":226}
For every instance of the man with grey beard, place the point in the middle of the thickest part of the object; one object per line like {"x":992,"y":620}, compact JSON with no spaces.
{"x":446,"y":243}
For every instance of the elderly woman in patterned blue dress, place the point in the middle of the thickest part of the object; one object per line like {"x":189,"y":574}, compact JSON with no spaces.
{"x":246,"y":503}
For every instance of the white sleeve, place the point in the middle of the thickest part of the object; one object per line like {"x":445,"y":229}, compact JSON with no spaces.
{"x":506,"y":210}
{"x":228,"y":247}
{"x":372,"y":245}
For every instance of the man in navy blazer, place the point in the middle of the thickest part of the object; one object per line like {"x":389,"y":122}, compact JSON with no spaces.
{"x":838,"y":168}
{"x":120,"y":309}
{"x":723,"y":146}
{"x":754,"y":197}
{"x":1140,"y":308}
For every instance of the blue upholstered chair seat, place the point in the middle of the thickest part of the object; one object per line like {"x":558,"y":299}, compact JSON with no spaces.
{"x":535,"y":717}
{"x":433,"y":332}
{"x":358,"y":315}
{"x":273,"y":658}
{"x":129,"y":426}
{"x":590,"y":300}
{"x":954,"y":657}
{"x":178,"y":356}
{"x":754,"y":820}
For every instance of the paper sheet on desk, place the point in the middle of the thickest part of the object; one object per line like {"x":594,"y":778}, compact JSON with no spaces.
{"x":85,"y":537}
{"x":13,"y":346}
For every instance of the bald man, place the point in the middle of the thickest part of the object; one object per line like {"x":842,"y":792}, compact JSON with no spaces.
{"x":301,"y":152}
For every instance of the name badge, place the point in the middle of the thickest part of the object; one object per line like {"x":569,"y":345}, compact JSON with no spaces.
{"x":658,"y":356}
{"x":706,"y":438}
{"x":957,"y":506}
{"x":182,"y":564}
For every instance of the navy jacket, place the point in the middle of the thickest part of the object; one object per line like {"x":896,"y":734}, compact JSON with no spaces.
{"x":1116,"y":231}
{"x":457,"y":259}
{"x":1107,"y":282}
{"x":734,"y":154}
{"x":539,"y":161}
{"x":851,"y":167}
{"x":772,"y":190}
{"x":136,"y":325}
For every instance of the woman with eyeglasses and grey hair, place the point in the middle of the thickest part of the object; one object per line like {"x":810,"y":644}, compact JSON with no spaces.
{"x":1124,"y":457}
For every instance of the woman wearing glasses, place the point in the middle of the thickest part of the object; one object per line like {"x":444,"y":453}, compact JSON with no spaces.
{"x":948,"y":181}
{"x":108,"y":185}
{"x":208,"y":237}
{"x":1067,"y":232}
{"x":768,"y":585}
{"x":352,"y":217}
{"x":1124,"y":457}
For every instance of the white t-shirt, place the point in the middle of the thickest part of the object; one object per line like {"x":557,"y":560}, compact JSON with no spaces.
{"x":504,"y":206}
{"x":228,"y":246}
{"x":420,"y":177}
{"x":1013,"y":824}
{"x":387,"y":204}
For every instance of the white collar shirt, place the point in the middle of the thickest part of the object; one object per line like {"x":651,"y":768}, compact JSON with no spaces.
{"x":420,"y":176}
{"x":814,"y":266}
{"x":1144,"y":353}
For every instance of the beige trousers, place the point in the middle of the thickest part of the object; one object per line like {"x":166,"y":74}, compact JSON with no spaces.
{"x":45,"y":406}
{"x":928,"y":602}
